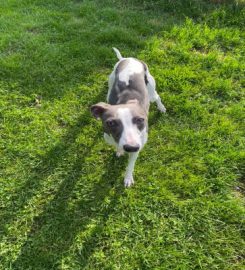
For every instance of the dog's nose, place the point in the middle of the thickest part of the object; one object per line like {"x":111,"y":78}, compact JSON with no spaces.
{"x":131,"y":148}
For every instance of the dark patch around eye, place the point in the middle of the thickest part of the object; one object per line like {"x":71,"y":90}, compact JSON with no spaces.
{"x":112,"y":123}
{"x":140,"y":122}
{"x":114,"y":127}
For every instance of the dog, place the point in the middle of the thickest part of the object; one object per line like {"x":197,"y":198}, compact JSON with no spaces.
{"x":125,"y":115}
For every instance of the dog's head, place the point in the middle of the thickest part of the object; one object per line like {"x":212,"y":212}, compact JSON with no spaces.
{"x":126,"y":123}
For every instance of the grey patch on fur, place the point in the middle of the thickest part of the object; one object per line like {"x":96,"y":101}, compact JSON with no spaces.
{"x":121,"y":92}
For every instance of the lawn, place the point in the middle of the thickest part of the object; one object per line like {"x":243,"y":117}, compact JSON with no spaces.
{"x":62,"y":200}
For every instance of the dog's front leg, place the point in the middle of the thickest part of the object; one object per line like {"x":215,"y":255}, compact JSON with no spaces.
{"x":129,"y":180}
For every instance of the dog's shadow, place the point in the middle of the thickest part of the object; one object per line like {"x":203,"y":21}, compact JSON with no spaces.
{"x":55,"y":230}
{"x":77,"y":200}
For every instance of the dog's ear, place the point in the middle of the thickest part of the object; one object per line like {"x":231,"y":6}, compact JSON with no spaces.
{"x":98,"y":109}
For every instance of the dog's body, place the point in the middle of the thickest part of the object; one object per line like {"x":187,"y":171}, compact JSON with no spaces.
{"x":131,"y":88}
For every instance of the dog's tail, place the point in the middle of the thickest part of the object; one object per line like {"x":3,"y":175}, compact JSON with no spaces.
{"x":119,"y":56}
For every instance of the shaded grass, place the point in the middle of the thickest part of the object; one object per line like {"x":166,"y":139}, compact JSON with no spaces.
{"x":62,"y":203}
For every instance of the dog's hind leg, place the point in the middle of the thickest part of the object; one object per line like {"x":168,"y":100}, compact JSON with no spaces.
{"x":110,"y":84}
{"x":153,"y":95}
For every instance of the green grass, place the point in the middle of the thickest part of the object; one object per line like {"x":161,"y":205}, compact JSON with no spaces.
{"x":62,"y":200}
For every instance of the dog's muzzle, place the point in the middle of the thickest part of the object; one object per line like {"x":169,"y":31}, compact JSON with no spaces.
{"x":131,"y":148}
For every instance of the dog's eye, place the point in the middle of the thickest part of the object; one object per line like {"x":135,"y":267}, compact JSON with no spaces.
{"x":139,"y":120}
{"x":111,"y":123}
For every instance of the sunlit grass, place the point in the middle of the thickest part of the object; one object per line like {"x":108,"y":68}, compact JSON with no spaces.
{"x":62,"y":200}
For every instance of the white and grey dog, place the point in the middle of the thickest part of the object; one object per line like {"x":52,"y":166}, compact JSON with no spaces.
{"x":125,"y":116}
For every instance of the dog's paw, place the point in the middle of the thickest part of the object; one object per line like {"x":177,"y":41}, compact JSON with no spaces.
{"x":119,"y":153}
{"x":128,"y":181}
{"x":161,"y":108}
